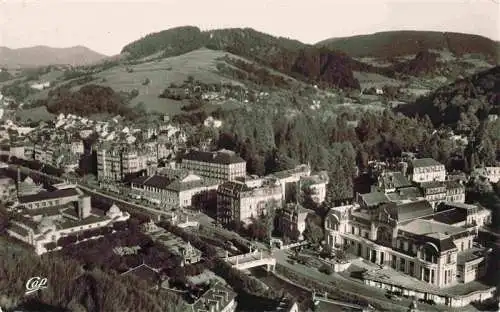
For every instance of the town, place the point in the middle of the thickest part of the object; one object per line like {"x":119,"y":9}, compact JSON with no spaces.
{"x":187,"y":219}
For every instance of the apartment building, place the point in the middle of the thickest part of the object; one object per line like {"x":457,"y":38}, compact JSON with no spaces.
{"x":455,"y":191}
{"x":426,"y":170}
{"x":413,"y":239}
{"x":237,"y":202}
{"x":174,"y":189}
{"x":220,"y":166}
{"x":115,"y":162}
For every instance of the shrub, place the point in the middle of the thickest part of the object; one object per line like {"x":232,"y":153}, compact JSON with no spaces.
{"x":325,"y":268}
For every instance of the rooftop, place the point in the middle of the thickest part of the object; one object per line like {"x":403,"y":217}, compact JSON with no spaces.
{"x":48,"y":195}
{"x":219,"y":293}
{"x":374,"y":198}
{"x":394,"y":180}
{"x":413,"y":210}
{"x":471,"y":254}
{"x":425,"y":162}
{"x":450,"y":216}
{"x":425,"y":227}
{"x":225,"y":157}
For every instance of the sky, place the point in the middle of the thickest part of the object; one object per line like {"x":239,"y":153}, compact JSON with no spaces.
{"x":107,"y":25}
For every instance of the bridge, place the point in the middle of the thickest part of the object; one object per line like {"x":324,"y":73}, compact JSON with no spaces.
{"x":252,"y":260}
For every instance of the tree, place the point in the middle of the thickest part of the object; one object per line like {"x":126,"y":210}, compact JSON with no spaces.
{"x":314,"y":232}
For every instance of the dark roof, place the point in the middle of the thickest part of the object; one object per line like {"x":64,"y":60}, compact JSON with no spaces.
{"x":167,"y":183}
{"x":425,"y":162}
{"x":432,"y":184}
{"x":395,"y":180}
{"x":453,"y":184}
{"x":414,"y":210}
{"x":233,"y":188}
{"x":451,"y":216}
{"x":220,"y":157}
{"x":444,"y":244}
{"x":48,"y":195}
{"x":374,"y":198}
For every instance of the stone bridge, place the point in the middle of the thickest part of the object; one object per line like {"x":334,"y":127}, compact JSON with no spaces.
{"x":252,"y":260}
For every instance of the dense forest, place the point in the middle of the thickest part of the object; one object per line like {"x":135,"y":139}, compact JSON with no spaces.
{"x":88,"y":100}
{"x":391,"y":44}
{"x":462,"y":104}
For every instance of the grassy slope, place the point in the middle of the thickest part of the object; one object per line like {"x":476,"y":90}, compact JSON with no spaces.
{"x":400,"y":43}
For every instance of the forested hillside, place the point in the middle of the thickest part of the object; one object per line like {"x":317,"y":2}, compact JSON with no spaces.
{"x":462,"y":104}
{"x":88,"y":100}
{"x":400,"y":43}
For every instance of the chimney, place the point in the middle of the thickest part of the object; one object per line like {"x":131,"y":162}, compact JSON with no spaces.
{"x":84,"y":207}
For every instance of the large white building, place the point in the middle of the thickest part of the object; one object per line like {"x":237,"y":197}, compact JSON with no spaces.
{"x":240,"y":202}
{"x":220,"y":166}
{"x":174,"y":189}
{"x":45,"y":217}
{"x":432,"y":248}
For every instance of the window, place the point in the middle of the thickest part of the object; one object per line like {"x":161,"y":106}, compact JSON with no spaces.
{"x":402,"y":265}
{"x":394,"y":261}
{"x":448,"y":258}
{"x":462,"y":247}
{"x":352,"y":229}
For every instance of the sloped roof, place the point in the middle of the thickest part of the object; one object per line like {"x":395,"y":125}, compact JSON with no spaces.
{"x":48,"y":195}
{"x":220,"y":157}
{"x":413,"y":210}
{"x":425,"y":162}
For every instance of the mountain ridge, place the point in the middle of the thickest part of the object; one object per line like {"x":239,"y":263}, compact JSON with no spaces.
{"x":388,"y":44}
{"x":42,"y":55}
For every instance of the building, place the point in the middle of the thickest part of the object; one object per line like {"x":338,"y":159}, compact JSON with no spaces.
{"x":314,"y":186}
{"x":220,"y":166}
{"x":238,"y":202}
{"x":292,"y":221}
{"x":390,"y":182}
{"x":218,"y":298}
{"x":464,"y":215}
{"x":45,"y":217}
{"x":434,"y":192}
{"x":176,"y":188}
{"x":7,"y":189}
{"x":490,"y":173}
{"x":289,"y":180}
{"x":178,"y":246}
{"x":426,"y":170}
{"x":115,"y":162}
{"x":413,"y":239}
{"x":455,"y":191}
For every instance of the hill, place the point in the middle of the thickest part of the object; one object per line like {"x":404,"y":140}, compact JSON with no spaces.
{"x":462,"y":104}
{"x":43,"y":56}
{"x":387,"y":45}
{"x":291,"y":57}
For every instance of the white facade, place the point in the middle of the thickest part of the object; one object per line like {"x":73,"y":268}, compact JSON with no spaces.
{"x":427,"y":170}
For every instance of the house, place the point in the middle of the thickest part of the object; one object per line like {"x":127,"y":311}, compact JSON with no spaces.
{"x":220,"y":166}
{"x":426,"y":170}
{"x":237,"y":202}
